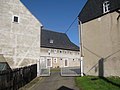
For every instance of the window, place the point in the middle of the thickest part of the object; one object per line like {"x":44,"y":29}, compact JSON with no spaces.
{"x":60,"y":51}
{"x":49,"y":62}
{"x":42,"y":60}
{"x":73,"y":59}
{"x":66,"y":63}
{"x":51,"y":41}
{"x":55,"y":51}
{"x":65,"y":51}
{"x":49,"y":51}
{"x":70,"y":52}
{"x":15,"y":19}
{"x":106,"y":6}
{"x":54,"y":60}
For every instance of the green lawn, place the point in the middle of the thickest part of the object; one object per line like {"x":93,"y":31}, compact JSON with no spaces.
{"x":96,"y":83}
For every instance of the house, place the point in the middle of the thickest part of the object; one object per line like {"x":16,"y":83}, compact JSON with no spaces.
{"x":58,"y":50}
{"x":19,"y":34}
{"x":100,"y":21}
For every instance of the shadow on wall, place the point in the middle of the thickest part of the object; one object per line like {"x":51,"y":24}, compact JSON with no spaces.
{"x":101,"y":67}
{"x":100,"y":63}
{"x":64,"y":88}
{"x":101,"y":73}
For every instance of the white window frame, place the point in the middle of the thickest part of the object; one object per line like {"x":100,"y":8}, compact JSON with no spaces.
{"x":13,"y":19}
{"x":55,"y":50}
{"x":49,"y":51}
{"x":50,"y":62}
{"x":106,"y":7}
{"x":54,"y":60}
{"x":73,"y":60}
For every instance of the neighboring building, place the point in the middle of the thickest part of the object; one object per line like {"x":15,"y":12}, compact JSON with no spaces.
{"x":19,"y":34}
{"x":58,"y":50}
{"x":101,"y":37}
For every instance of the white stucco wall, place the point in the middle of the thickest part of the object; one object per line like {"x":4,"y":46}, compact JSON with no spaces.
{"x":19,"y":42}
{"x":101,"y":39}
{"x":73,"y":57}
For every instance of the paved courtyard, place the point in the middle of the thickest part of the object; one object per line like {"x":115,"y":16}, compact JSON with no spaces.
{"x":56,"y":82}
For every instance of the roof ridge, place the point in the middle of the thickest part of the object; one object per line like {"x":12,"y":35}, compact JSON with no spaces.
{"x":53,"y":31}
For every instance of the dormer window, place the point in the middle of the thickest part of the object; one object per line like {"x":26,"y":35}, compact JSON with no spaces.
{"x":51,"y":41}
{"x":106,"y":7}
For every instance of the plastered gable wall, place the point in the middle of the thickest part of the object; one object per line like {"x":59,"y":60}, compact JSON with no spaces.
{"x":19,"y":42}
{"x":101,"y":40}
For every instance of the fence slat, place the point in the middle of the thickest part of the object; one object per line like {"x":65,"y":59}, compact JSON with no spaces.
{"x":13,"y":80}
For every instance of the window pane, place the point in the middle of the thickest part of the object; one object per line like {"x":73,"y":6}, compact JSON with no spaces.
{"x":65,"y":62}
{"x":15,"y":19}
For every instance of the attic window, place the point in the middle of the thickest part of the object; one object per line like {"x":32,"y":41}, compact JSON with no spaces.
{"x":15,"y":19}
{"x":106,"y":7}
{"x":51,"y":41}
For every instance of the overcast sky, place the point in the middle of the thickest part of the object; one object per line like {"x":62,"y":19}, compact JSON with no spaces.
{"x":57,"y":15}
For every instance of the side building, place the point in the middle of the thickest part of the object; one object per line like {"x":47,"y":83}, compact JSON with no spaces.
{"x":19,"y":34}
{"x":58,"y":50}
{"x":101,"y":37}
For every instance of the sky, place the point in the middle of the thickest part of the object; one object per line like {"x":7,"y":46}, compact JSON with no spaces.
{"x":57,"y":15}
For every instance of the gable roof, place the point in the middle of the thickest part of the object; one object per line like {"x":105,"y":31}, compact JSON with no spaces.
{"x":59,"y":41}
{"x":94,"y":9}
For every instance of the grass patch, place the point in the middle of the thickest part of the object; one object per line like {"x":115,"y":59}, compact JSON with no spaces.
{"x":97,"y":83}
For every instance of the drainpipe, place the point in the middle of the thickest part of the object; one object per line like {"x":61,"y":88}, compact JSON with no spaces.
{"x":38,"y":61}
{"x":118,"y":11}
{"x":81,"y":47}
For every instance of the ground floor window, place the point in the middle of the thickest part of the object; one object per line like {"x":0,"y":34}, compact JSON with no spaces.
{"x":54,"y":60}
{"x":66,"y":63}
{"x":49,"y":62}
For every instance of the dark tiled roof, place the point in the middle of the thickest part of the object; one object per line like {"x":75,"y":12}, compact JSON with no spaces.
{"x":58,"y":40}
{"x":94,"y":9}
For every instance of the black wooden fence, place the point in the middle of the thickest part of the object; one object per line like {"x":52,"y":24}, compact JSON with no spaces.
{"x":13,"y":80}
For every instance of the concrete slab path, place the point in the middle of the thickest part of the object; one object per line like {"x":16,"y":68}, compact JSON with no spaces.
{"x":56,"y":82}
